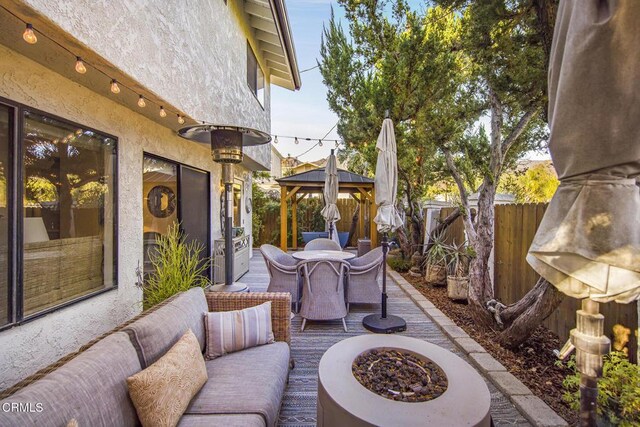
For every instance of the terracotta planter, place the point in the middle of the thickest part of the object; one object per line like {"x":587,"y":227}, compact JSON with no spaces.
{"x":458,"y":287}
{"x":436,"y":275}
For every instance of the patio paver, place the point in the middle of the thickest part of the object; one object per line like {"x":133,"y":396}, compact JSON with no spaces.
{"x":299,"y":404}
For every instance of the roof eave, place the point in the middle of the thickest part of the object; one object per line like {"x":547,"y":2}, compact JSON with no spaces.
{"x":284,"y":32}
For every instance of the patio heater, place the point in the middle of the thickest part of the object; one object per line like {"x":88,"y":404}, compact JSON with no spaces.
{"x":226,"y":144}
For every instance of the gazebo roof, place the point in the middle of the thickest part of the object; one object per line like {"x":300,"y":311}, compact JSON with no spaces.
{"x":316,"y":176}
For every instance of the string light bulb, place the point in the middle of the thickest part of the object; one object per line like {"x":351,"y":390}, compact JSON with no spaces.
{"x":337,"y":144}
{"x":320,"y":142}
{"x":296,"y":140}
{"x":114,"y":86}
{"x":162,"y":112}
{"x":141,"y":102}
{"x":80,"y":67}
{"x":29,"y":36}
{"x":275,"y":140}
{"x":180,"y":119}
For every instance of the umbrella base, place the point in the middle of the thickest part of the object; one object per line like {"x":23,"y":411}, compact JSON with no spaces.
{"x":235,"y":287}
{"x":384,"y":325}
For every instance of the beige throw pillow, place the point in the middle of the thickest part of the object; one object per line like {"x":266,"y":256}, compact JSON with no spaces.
{"x":229,"y":331}
{"x":162,"y":392}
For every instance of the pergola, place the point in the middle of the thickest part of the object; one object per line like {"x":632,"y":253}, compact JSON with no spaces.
{"x":296,"y":187}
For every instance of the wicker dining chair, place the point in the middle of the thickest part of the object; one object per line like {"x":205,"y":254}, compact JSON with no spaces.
{"x":362,"y":280}
{"x":323,"y":290}
{"x":283,"y":272}
{"x":322,"y":244}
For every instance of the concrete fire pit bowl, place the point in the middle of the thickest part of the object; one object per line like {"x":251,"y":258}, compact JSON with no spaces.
{"x":343,"y":401}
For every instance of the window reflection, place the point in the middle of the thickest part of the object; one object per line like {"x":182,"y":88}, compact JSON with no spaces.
{"x":68,"y":197}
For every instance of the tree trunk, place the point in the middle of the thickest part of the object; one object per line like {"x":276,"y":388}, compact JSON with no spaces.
{"x":480,"y":285}
{"x":524,"y":316}
{"x":441,"y":227}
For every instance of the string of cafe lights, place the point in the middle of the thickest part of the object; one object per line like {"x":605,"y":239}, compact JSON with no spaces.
{"x":320,"y":141}
{"x":30,"y":36}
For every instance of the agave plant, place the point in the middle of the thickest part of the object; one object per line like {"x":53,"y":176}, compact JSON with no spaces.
{"x":438,"y":253}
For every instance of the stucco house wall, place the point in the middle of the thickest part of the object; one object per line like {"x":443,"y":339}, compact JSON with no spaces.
{"x":204,"y":74}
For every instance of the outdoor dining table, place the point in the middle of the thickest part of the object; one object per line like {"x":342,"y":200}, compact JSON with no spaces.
{"x":323,"y":254}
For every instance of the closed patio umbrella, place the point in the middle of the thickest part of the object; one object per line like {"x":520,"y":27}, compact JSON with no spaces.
{"x":330,"y":211}
{"x":588,"y":244}
{"x":387,"y":219}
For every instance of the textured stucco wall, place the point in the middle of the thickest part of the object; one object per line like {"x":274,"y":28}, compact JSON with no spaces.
{"x":191,"y":53}
{"x":26,"y":348}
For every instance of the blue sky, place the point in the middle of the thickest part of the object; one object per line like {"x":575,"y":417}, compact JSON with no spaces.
{"x":305,"y":113}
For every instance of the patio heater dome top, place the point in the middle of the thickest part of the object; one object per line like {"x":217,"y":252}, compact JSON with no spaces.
{"x":226,"y":141}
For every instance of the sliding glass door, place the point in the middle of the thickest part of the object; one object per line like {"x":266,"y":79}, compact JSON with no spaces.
{"x":174,"y":193}
{"x":194,"y":207}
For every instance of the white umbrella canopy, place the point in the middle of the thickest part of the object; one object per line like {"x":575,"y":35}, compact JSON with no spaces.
{"x":588,"y":244}
{"x":330,"y":210}
{"x":386,"y":180}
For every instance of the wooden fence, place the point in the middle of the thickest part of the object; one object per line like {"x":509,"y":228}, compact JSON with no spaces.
{"x":271,"y":229}
{"x":515,"y":227}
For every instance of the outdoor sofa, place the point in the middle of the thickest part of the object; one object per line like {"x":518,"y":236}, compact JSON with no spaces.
{"x":244,"y":388}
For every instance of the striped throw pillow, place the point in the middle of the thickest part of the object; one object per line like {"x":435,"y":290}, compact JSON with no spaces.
{"x":229,"y":331}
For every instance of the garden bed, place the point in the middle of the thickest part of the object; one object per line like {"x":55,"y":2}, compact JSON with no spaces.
{"x":533,"y":363}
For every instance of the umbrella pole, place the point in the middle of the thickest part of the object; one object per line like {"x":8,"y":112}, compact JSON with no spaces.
{"x":591,"y":345}
{"x":330,"y":229}
{"x":383,"y":323}
{"x":385,"y":249}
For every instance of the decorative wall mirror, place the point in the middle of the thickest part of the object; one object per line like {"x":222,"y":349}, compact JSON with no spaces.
{"x":161,"y":201}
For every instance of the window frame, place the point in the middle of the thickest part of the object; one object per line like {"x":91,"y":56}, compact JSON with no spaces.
{"x":16,"y":224}
{"x":250,"y":51}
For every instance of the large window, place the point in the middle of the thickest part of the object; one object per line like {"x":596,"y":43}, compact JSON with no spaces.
{"x":57,"y":233}
{"x":255,"y":76}
{"x":174,"y":193}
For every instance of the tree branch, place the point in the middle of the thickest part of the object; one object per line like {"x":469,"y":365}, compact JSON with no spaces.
{"x":517,"y":131}
{"x":464,"y":196}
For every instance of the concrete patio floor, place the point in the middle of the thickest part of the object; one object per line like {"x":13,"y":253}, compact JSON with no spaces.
{"x":299,"y":404}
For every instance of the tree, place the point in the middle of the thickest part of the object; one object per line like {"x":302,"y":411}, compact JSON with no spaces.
{"x":441,"y":74}
{"x":536,"y":184}
{"x":509,"y":52}
{"x":400,"y":64}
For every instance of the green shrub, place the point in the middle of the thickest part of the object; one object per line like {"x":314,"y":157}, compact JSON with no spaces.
{"x":177,"y":267}
{"x":398,"y":263}
{"x":618,"y":390}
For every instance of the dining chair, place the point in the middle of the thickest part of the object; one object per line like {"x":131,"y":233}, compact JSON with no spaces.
{"x":283,"y":272}
{"x":362,"y":281}
{"x":322,"y":244}
{"x":323,"y":290}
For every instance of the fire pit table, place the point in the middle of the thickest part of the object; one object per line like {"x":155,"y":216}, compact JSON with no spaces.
{"x":343,"y":401}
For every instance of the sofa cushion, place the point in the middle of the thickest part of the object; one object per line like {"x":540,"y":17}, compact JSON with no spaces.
{"x":230,"y":331}
{"x":153,"y":335}
{"x":222,"y":420}
{"x":91,"y":388}
{"x":163,"y":391}
{"x":250,"y":381}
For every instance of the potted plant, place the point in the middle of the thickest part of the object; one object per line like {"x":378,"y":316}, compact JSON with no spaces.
{"x":458,"y":272}
{"x":435,"y":261}
{"x":618,"y":390}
